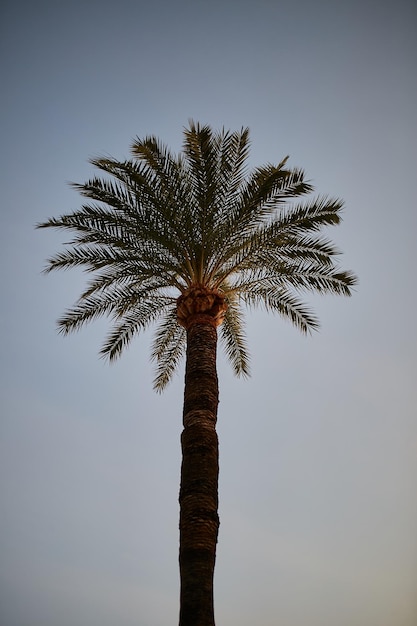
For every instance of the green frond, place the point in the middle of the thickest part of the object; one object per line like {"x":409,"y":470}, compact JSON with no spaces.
{"x":279,"y":300}
{"x":120,"y":337}
{"x":312,"y":215}
{"x":307,"y":278}
{"x":111,"y":277}
{"x":259,"y":202}
{"x":155,"y":198}
{"x":168,"y":348}
{"x":135,"y":320}
{"x":284,"y":236}
{"x":231,"y":167}
{"x":165,"y":175}
{"x":200,"y":148}
{"x":306,"y":248}
{"x":233,"y":337}
{"x":88,"y":309}
{"x":144,"y":262}
{"x":116,"y":303}
{"x":96,"y":225}
{"x":161,"y":188}
{"x":267,"y":188}
{"x":92,"y":257}
{"x":303,"y":274}
{"x":111,"y":193}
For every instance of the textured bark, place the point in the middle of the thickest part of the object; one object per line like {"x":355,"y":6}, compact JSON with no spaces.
{"x":201,"y":300}
{"x":198,"y":498}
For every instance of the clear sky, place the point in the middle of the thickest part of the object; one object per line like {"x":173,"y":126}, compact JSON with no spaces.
{"x":319,"y":448}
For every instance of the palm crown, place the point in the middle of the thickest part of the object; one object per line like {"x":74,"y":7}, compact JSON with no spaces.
{"x":161,"y":226}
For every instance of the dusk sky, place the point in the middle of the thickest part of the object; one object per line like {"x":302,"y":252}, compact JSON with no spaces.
{"x":318,"y":449}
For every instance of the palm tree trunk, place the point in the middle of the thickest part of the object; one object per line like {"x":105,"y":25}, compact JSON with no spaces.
{"x":199,"y":521}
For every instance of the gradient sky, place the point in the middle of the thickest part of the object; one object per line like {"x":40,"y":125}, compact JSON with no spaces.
{"x":319,"y":448}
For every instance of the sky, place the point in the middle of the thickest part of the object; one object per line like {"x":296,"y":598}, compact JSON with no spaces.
{"x":318,"y":449}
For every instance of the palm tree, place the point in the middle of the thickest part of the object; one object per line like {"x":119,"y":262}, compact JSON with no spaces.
{"x":184,"y":241}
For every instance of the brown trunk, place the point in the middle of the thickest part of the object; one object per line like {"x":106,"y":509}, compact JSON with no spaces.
{"x":199,"y":521}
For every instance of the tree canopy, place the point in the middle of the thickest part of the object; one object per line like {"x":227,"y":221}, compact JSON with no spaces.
{"x":160,"y":226}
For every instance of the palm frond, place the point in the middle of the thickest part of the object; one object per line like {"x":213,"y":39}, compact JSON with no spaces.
{"x":97,"y":257}
{"x":120,"y":301}
{"x":325,"y":280}
{"x":154,"y":198}
{"x":231,"y":168}
{"x":168,"y":348}
{"x":233,"y":337}
{"x":259,"y":201}
{"x":311,"y":216}
{"x":306,"y":248}
{"x":265,"y":190}
{"x":137,"y":319}
{"x":201,"y":149}
{"x":286,"y":235}
{"x":281,"y":301}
